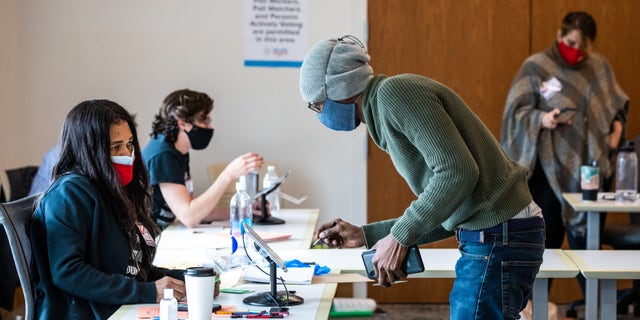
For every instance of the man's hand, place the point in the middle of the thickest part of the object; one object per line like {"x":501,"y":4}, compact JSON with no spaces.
{"x":341,"y":234}
{"x":387,"y":262}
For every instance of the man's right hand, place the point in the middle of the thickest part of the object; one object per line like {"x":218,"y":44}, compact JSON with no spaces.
{"x":341,"y":234}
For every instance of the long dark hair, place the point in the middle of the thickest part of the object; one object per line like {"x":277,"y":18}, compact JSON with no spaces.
{"x":85,"y":145}
{"x":184,"y":104}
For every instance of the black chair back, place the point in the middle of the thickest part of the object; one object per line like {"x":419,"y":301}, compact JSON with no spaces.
{"x":16,"y":217}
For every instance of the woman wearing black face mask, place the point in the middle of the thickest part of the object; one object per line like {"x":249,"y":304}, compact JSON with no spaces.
{"x":184,"y":123}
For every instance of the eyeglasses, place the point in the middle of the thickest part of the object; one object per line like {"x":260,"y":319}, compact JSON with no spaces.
{"x":314,"y":107}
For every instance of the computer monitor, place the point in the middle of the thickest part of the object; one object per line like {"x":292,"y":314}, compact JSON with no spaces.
{"x":271,"y":298}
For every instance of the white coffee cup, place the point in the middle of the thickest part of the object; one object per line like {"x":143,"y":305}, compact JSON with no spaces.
{"x":200,"y":283}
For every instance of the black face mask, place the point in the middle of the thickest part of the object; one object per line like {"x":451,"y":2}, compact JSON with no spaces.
{"x":199,"y":137}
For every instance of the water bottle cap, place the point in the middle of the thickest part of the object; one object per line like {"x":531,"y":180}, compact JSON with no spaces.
{"x":628,"y":146}
{"x":168,"y":293}
{"x":271,"y":167}
{"x":240,"y":186}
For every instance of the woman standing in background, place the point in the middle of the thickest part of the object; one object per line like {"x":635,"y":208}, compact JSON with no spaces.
{"x":553,"y":145}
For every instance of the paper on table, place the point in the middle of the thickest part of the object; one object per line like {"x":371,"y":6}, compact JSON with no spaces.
{"x":197,"y":238}
{"x":292,"y":276}
{"x":266,"y":236}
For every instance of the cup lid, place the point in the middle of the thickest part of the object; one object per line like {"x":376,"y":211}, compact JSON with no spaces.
{"x":199,"y":272}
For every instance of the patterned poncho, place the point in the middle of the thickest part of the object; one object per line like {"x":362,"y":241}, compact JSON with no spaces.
{"x":544,"y":82}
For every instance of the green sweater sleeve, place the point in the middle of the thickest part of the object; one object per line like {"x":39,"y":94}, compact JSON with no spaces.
{"x":376,"y":231}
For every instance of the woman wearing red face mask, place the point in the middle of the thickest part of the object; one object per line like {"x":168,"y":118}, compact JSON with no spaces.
{"x":93,"y":240}
{"x":554,"y":144}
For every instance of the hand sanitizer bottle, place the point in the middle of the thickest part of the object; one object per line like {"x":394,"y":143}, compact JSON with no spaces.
{"x":168,"y":306}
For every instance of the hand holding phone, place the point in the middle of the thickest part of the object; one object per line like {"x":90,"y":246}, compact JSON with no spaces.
{"x":412,"y":262}
{"x":565,"y":114}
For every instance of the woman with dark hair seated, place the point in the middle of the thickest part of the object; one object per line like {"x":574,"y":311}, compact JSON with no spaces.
{"x":93,"y":239}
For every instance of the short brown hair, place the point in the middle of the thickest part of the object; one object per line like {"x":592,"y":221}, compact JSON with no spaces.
{"x":184,"y":104}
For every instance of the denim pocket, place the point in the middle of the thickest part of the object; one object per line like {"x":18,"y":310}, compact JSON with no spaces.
{"x":517,"y":284}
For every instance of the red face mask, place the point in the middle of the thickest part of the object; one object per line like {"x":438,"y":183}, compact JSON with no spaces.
{"x":571,"y":55}
{"x":125,"y":171}
{"x":124,"y":167}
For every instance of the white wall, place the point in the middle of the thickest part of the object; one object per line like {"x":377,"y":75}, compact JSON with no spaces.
{"x":136,"y":52}
{"x":10,"y":144}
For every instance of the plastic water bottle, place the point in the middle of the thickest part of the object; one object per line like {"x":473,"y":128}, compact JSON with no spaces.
{"x":168,"y":306}
{"x":270,"y":178}
{"x":240,"y":207}
{"x":627,"y":173}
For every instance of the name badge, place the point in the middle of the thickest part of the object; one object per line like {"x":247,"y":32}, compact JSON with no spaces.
{"x":148,"y":239}
{"x":550,"y":88}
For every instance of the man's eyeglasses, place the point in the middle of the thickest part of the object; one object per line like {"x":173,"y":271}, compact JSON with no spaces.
{"x":314,"y":107}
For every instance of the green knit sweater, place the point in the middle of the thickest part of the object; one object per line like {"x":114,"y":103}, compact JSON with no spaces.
{"x":449,"y":158}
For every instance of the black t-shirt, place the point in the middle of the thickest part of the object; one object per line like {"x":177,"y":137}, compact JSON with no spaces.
{"x":165,"y":164}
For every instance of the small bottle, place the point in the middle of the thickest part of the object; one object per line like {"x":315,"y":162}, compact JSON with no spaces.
{"x":627,"y":173}
{"x":168,"y":306}
{"x":240,"y":207}
{"x":270,"y":178}
{"x":590,"y":181}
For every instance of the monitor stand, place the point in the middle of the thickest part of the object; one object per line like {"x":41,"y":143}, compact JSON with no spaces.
{"x":263,"y":217}
{"x":273,"y":298}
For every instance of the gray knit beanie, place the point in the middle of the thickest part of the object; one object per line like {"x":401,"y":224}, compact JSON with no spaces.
{"x":340,"y":64}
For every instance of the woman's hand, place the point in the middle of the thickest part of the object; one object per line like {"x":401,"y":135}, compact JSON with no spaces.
{"x":166,"y":282}
{"x":256,"y":208}
{"x":243,"y":164}
{"x":341,"y":234}
{"x":615,"y":135}
{"x":548,"y":119}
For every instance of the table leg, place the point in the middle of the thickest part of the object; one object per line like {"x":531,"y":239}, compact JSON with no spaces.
{"x":593,"y":230}
{"x":540,"y":297}
{"x":591,"y":299}
{"x":593,"y":243}
{"x":360,"y":290}
{"x":608,"y":299}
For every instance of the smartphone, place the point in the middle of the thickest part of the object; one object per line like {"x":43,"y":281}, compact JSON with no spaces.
{"x":412,"y":263}
{"x":565,"y":114}
{"x":182,"y":306}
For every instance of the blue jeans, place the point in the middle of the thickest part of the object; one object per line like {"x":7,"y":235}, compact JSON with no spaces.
{"x":495,"y":274}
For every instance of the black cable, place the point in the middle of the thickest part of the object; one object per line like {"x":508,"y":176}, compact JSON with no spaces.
{"x":268,"y":275}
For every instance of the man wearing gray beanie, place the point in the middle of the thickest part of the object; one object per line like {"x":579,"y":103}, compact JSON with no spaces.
{"x":465,"y":185}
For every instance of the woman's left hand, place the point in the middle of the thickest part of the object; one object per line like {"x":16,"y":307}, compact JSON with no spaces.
{"x":615,"y":135}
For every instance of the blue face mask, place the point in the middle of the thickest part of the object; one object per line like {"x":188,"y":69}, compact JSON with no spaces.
{"x":338,"y":116}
